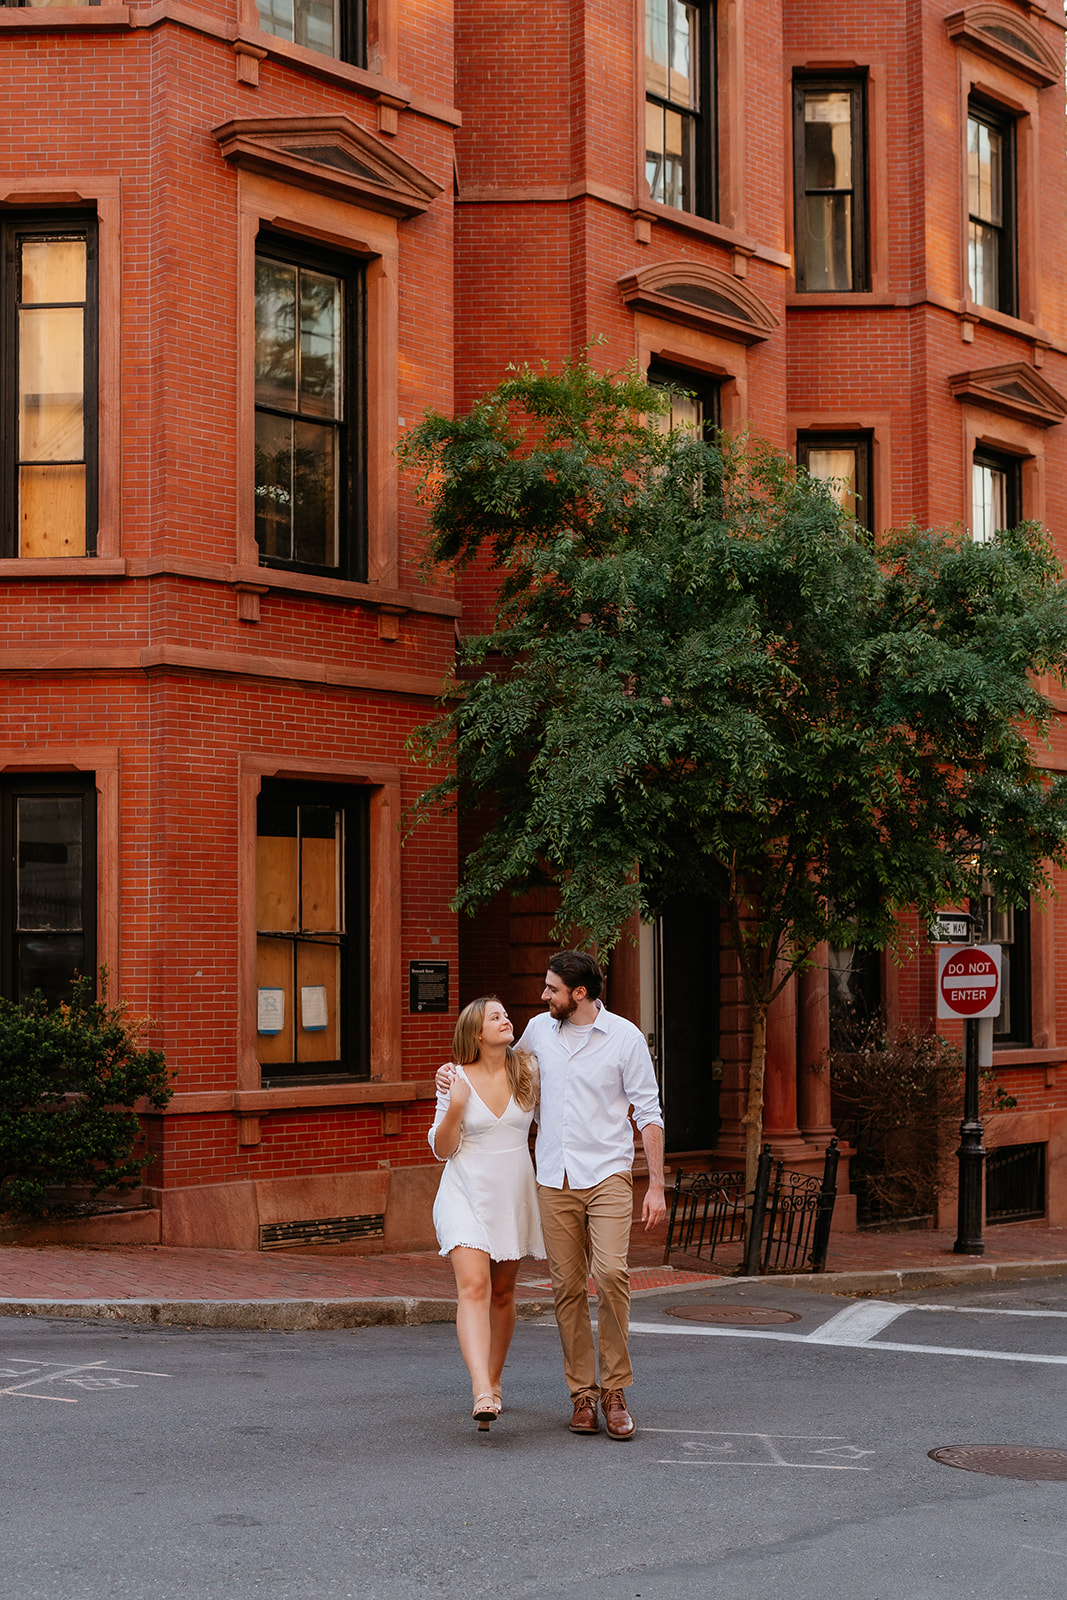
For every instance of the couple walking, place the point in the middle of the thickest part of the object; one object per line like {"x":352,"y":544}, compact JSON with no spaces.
{"x":577,"y":1070}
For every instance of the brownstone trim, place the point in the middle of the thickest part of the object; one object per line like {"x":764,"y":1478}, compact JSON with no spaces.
{"x":104,"y":194}
{"x":384,"y":937}
{"x":984,"y":27}
{"x":1005,"y":435}
{"x":879,"y":424}
{"x":698,"y":350}
{"x":265,"y":202}
{"x":290,"y":148}
{"x":749,"y":319}
{"x":381,"y":48}
{"x":998,"y":389}
{"x":79,"y":19}
{"x":104,"y":761}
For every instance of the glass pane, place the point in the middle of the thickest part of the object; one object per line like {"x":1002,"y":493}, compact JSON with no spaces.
{"x":990,"y":502}
{"x":317,"y":26}
{"x":983,"y":264}
{"x":275,"y":334}
{"x":318,"y":968}
{"x":837,"y":468}
{"x":984,"y":172}
{"x":828,"y":253}
{"x":684,"y":45}
{"x":48,"y":833}
{"x":828,"y":140}
{"x":51,"y":385}
{"x":315,"y":498}
{"x":51,"y":511}
{"x":274,"y":485}
{"x":48,"y":961}
{"x":320,"y":869}
{"x":656,"y":47}
{"x":320,"y":345}
{"x":276,"y":16}
{"x":274,"y":970}
{"x":53,"y":270}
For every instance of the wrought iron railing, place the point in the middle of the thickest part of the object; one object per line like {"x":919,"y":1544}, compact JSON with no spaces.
{"x":790,"y":1223}
{"x":1015,"y":1183}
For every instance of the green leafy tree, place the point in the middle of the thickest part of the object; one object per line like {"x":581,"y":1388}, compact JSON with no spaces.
{"x":70,"y":1076}
{"x":700,"y":666}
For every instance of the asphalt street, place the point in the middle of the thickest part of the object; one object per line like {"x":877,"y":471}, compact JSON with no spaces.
{"x":774,"y":1459}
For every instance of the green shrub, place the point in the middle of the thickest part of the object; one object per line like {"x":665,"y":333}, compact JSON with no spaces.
{"x":70,"y":1075}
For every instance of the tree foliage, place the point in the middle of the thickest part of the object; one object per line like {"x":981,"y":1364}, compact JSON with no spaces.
{"x":70,"y":1076}
{"x":701,"y":665}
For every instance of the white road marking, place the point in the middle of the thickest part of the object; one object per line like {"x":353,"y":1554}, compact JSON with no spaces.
{"x":759,"y":1450}
{"x":990,"y":1311}
{"x":856,"y":1323}
{"x":92,"y":1375}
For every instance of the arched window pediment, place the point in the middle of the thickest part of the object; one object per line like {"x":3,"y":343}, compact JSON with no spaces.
{"x":1002,"y":35}
{"x":700,"y":296}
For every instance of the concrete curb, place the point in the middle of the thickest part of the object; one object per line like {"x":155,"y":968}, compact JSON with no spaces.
{"x":411,"y":1311}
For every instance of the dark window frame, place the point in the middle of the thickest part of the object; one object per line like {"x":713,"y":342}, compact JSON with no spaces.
{"x":707,"y":389}
{"x":855,"y":85}
{"x":1012,"y":468}
{"x":861,"y":440}
{"x":1016,"y":975}
{"x":47,"y":785}
{"x":13,"y":228}
{"x":353,"y":34}
{"x":704,"y":119}
{"x":353,"y":800}
{"x":1002,"y":122}
{"x":351,"y":430}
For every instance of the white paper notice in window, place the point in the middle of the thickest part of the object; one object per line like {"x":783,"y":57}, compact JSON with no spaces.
{"x":313,"y":1008}
{"x":270,"y":1016}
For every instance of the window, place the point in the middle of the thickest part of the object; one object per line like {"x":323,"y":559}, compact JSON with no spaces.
{"x":991,"y":208}
{"x":47,"y":884}
{"x":21,"y":3}
{"x":331,"y":27}
{"x":680,"y":109}
{"x":1011,"y":930}
{"x":843,"y":460}
{"x":308,"y":480}
{"x":694,"y":401}
{"x":995,"y":494}
{"x":311,"y":926}
{"x":830,"y":180}
{"x":48,"y":461}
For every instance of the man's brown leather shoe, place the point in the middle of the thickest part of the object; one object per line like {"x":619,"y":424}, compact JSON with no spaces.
{"x":585,"y":1419}
{"x":617,"y":1419}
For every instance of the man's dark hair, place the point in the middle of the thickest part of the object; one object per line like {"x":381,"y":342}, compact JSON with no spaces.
{"x":578,"y":970}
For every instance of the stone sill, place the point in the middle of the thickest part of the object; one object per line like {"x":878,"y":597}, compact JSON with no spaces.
{"x":302,"y":1097}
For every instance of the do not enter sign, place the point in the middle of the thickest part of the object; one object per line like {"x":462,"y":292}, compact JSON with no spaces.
{"x":968,"y":981}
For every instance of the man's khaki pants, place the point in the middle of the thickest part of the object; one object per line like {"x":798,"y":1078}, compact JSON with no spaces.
{"x":589,"y":1229}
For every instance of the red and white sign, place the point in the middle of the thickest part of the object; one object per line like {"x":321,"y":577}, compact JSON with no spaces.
{"x":968,"y":981}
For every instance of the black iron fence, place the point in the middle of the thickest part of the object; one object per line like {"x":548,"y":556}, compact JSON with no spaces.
{"x":791,"y":1215}
{"x":1015,"y":1183}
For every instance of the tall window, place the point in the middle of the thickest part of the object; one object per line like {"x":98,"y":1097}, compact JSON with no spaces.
{"x":332,"y":27}
{"x":47,"y":885}
{"x":48,"y":461}
{"x":830,"y":180}
{"x":680,"y":109}
{"x":309,"y":487}
{"x":844,"y":461}
{"x":694,"y":401}
{"x":995,"y":494}
{"x":1011,"y":930}
{"x":991,"y":208}
{"x":311,"y":923}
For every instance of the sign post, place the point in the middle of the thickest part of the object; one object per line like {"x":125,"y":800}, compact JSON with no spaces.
{"x":968,"y":986}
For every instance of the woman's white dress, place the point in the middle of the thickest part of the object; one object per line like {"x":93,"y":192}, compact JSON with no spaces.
{"x":487,"y":1197}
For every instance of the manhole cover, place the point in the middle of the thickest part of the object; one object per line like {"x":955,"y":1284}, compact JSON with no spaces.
{"x":741,"y":1315}
{"x":1006,"y":1461}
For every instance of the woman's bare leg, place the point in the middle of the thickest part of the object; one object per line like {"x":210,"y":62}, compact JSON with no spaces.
{"x":474,"y":1294}
{"x":501,"y":1317}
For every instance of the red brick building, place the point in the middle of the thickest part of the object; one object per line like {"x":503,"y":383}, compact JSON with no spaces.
{"x":245,"y":243}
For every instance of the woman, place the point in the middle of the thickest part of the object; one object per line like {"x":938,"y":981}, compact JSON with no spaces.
{"x":485,"y":1213}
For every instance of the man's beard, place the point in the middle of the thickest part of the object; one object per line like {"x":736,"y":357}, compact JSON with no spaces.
{"x":563,"y":1010}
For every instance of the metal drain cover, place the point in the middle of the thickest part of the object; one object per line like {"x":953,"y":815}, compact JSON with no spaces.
{"x":1032,"y":1464}
{"x":741,"y":1316}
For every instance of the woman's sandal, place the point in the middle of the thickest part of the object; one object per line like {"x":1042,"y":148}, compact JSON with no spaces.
{"x":486,"y":1410}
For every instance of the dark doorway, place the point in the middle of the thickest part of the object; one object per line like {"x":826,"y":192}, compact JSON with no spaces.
{"x":687,"y":1020}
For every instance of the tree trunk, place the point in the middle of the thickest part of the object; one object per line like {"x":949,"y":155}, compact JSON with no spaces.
{"x":752,"y":1121}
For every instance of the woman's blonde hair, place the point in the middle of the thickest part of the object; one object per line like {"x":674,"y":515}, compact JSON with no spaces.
{"x":467,"y":1047}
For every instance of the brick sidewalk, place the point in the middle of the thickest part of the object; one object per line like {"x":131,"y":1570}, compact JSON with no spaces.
{"x":153,"y":1272}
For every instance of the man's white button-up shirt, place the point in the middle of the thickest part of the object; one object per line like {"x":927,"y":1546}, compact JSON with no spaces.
{"x":584,"y":1132}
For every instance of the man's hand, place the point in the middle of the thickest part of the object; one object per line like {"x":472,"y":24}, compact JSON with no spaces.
{"x":445,"y":1077}
{"x":654,"y":1209}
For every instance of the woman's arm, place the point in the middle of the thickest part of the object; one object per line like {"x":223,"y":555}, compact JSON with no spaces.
{"x":445,"y":1135}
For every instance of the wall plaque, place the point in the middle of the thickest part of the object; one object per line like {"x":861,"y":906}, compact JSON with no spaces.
{"x":427,"y":985}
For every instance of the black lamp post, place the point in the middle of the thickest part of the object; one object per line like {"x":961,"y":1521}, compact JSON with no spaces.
{"x":971,"y":1154}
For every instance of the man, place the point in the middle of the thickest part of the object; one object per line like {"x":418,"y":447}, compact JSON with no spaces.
{"x":594,"y":1066}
